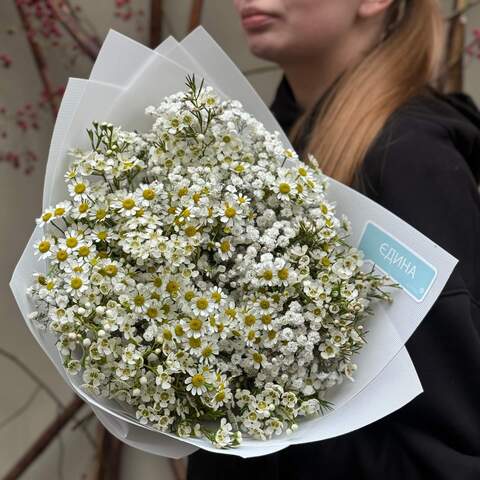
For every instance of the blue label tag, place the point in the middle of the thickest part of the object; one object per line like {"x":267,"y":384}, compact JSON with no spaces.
{"x":406,"y":268}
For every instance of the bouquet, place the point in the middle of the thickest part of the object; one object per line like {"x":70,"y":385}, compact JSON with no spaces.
{"x":199,"y":283}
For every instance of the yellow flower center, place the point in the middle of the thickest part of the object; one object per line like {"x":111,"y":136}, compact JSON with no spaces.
{"x":46,"y":216}
{"x":80,"y":188}
{"x":267,"y":275}
{"x":139,"y":300}
{"x":128,"y":203}
{"x":190,"y":231}
{"x":152,"y":312}
{"x":202,"y":303}
{"x":62,"y":255}
{"x":266,"y":319}
{"x":83,"y":207}
{"x":198,"y":380}
{"x":230,"y":212}
{"x":264,"y":304}
{"x":217,"y":297}
{"x":194,"y":342}
{"x":302,"y":172}
{"x":283,"y":274}
{"x":148,"y":194}
{"x":111,"y":270}
{"x":76,"y":283}
{"x":179,"y":332}
{"x":71,"y":242}
{"x":271,"y":334}
{"x":167,"y":334}
{"x":44,"y":246}
{"x":257,"y":357}
{"x":189,"y":295}
{"x":172,"y":287}
{"x":196,"y":324}
{"x":84,"y":251}
{"x":225,"y":246}
{"x":284,"y":188}
{"x":182,"y":191}
{"x":100,"y":214}
{"x":59,"y":211}
{"x":207,"y":351}
{"x":102,"y":235}
{"x":165,"y":308}
{"x":249,"y":320}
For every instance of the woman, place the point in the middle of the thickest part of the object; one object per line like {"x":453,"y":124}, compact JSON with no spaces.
{"x":357,"y":93}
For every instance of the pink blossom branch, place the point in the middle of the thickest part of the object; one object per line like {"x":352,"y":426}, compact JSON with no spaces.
{"x":90,"y":45}
{"x":38,"y":58}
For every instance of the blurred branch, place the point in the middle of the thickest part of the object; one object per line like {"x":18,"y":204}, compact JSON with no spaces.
{"x":462,"y":11}
{"x":452,"y":79}
{"x":178,"y":468}
{"x":156,"y":16}
{"x":44,"y":440}
{"x":38,"y":57}
{"x":195,"y":15}
{"x":21,"y":409}
{"x":42,"y":385}
{"x":32,"y":375}
{"x":108,"y":457}
{"x":83,"y":420}
{"x":90,"y":45}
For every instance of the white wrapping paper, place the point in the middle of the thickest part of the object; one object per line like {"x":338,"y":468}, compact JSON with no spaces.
{"x":125,"y":79}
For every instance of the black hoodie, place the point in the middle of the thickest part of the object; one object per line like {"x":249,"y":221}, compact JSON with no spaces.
{"x":425,"y":168}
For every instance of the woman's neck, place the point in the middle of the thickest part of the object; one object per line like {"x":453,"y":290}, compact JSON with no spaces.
{"x":308,"y":84}
{"x":311,"y":77}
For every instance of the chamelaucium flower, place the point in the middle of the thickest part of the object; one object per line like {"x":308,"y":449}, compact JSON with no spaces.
{"x":192,"y":276}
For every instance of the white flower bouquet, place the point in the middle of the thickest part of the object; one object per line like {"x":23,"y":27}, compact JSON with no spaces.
{"x":198,"y":285}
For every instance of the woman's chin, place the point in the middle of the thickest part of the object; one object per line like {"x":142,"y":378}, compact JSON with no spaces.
{"x":263,"y":47}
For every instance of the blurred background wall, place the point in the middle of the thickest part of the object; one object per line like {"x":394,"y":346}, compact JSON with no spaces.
{"x":25,"y":129}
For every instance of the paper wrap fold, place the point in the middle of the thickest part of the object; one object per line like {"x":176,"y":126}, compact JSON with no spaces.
{"x":125,"y":79}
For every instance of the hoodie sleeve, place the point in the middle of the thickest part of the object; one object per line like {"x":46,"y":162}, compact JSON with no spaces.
{"x":419,"y":175}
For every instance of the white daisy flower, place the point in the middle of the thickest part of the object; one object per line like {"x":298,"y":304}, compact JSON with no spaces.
{"x":79,"y":189}
{"x":196,"y":382}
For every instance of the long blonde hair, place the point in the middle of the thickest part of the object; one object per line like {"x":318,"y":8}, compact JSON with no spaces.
{"x":354,"y":112}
